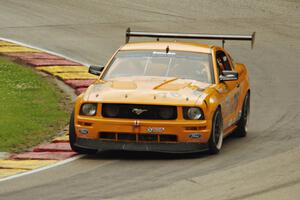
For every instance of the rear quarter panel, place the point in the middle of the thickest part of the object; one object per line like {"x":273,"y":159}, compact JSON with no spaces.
{"x":244,"y":82}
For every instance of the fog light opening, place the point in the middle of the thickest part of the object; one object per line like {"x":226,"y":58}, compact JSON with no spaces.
{"x":83,"y":131}
{"x":195,"y":135}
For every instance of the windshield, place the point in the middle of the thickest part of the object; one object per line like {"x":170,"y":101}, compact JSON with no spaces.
{"x":185,"y":65}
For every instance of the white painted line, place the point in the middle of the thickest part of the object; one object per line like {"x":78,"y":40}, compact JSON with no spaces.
{"x":45,"y":50}
{"x":42,"y":168}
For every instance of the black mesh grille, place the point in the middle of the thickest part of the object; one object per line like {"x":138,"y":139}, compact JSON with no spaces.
{"x":126,"y":136}
{"x":133,"y":111}
{"x":138,"y":137}
{"x":107,"y":135}
{"x":168,"y":138}
{"x":148,"y":137}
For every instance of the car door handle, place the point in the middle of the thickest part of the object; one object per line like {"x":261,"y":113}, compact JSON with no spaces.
{"x":238,"y":85}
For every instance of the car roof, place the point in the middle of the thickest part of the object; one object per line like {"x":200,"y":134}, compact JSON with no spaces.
{"x":175,"y":46}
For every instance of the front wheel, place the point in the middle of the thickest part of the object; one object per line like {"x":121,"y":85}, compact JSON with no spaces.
{"x":216,"y":138}
{"x":72,"y":139}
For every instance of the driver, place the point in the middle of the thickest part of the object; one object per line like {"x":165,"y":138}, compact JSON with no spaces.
{"x":221,"y":67}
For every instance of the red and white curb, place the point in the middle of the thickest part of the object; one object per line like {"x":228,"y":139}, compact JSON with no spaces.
{"x":72,"y":73}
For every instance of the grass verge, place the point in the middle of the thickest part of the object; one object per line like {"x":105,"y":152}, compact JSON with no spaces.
{"x":32,"y":108}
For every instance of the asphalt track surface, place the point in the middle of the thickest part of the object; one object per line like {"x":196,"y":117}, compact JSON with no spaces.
{"x":264,"y":165}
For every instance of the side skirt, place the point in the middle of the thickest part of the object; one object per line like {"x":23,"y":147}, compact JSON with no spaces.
{"x":229,"y":130}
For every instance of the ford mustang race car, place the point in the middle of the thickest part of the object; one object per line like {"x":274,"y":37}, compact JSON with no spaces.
{"x":163,"y":96}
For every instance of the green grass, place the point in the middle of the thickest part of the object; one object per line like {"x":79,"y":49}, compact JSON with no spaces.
{"x":32,"y":108}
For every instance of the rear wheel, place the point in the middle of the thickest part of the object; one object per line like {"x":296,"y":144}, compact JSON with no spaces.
{"x":72,"y":139}
{"x":242,"y":125}
{"x":216,"y":138}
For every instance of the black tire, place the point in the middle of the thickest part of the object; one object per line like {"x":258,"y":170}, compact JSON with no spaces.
{"x":72,"y":139}
{"x":216,"y":138}
{"x":242,"y":125}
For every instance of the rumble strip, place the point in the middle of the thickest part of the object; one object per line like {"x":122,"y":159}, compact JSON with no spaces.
{"x":72,"y":73}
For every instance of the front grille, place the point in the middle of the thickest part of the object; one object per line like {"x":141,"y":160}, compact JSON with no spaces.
{"x":108,"y":135}
{"x":166,"y":138}
{"x":133,"y":111}
{"x":126,"y":136}
{"x":138,"y":137}
{"x":148,"y":137}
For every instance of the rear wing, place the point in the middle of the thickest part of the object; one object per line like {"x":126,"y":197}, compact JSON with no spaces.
{"x":130,"y":34}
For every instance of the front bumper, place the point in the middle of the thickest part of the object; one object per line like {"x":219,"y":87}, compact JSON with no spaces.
{"x":182,"y":128}
{"x":146,"y":146}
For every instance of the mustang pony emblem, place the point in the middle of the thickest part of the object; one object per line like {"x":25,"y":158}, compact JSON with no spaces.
{"x":138,"y":111}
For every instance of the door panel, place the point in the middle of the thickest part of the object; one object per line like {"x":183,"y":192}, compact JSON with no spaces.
{"x":231,"y":90}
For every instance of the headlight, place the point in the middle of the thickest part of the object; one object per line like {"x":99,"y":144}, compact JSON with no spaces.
{"x":88,"y":109}
{"x":193,"y":113}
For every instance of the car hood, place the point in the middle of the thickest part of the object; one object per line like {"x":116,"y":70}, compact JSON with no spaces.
{"x":147,"y":90}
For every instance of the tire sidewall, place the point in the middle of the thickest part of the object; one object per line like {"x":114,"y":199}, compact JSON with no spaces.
{"x":241,"y":130}
{"x":246,"y":108}
{"x":72,"y":135}
{"x":72,"y":139}
{"x":213,"y":145}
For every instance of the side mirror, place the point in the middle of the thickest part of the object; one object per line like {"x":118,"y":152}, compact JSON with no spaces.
{"x":96,"y":69}
{"x":229,"y":75}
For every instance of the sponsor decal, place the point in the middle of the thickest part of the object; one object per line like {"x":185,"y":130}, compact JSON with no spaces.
{"x":155,"y":130}
{"x":162,"y":94}
{"x":175,"y":95}
{"x":197,"y":93}
{"x":163,"y":53}
{"x":169,"y":95}
{"x":230,"y":122}
{"x":240,"y":115}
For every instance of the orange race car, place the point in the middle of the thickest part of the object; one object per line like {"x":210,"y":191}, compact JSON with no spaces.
{"x":163,"y":96}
